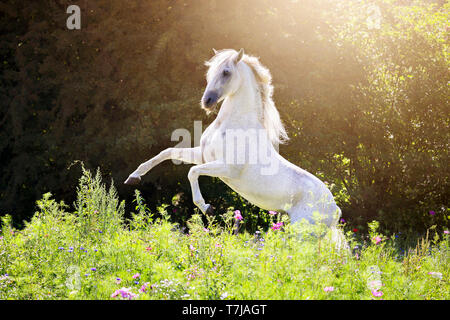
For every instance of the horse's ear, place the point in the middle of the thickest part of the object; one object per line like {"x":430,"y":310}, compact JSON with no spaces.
{"x":215,"y":51}
{"x":239,"y":56}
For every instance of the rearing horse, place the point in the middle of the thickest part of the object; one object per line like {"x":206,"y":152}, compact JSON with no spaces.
{"x":240,"y":145}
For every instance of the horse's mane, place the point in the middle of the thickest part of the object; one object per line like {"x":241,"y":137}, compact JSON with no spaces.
{"x":270,"y":116}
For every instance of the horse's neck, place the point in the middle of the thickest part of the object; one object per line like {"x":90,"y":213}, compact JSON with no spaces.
{"x":244,"y":105}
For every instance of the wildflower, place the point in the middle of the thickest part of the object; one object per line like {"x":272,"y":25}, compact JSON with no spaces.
{"x":1,"y":238}
{"x":328,"y":289}
{"x":355,"y":230}
{"x":446,"y":231}
{"x":137,"y":275}
{"x":61,"y":248}
{"x":277,"y":226}
{"x":377,"y":293}
{"x":223,"y":295}
{"x":273,"y":213}
{"x":342,"y":220}
{"x":148,"y":248}
{"x":191,"y":247}
{"x":205,"y":229}
{"x":289,"y":257}
{"x":377,"y":239}
{"x":375,"y":285}
{"x":95,"y":250}
{"x":431,"y":212}
{"x":237,"y":215}
{"x":436,"y":275}
{"x":125,"y":293}
{"x":86,"y":275}
{"x":94,"y":269}
{"x":136,"y":282}
{"x":143,"y":287}
{"x":100,"y":231}
{"x":218,"y":245}
{"x":118,"y":280}
{"x":95,"y":211}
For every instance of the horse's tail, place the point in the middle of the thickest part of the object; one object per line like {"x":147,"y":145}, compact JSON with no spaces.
{"x":338,"y":238}
{"x":337,"y":235}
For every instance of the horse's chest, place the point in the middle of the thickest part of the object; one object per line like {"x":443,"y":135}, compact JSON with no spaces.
{"x":212,"y":145}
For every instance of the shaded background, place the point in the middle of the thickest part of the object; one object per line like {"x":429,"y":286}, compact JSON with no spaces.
{"x":366,"y":108}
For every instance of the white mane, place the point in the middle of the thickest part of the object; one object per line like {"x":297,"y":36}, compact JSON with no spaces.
{"x":270,"y":116}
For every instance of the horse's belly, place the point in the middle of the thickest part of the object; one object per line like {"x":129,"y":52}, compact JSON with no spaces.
{"x":267,"y":197}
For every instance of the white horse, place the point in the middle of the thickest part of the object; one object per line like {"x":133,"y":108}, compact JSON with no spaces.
{"x":240,"y":145}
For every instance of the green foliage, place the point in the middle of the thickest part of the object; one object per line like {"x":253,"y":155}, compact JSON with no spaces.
{"x":62,"y":255}
{"x":366,"y":108}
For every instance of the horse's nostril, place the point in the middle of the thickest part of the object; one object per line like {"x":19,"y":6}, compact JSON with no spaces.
{"x":208,"y":101}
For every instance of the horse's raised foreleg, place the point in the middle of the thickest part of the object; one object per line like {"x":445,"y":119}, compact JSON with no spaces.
{"x":213,"y":169}
{"x":190,"y":155}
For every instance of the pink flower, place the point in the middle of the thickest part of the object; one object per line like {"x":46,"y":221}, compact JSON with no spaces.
{"x":148,"y":248}
{"x":191,"y":247}
{"x":277,"y":226}
{"x":437,"y":275}
{"x":125,"y":293}
{"x":328,"y":289}
{"x":376,"y":293}
{"x":237,"y":215}
{"x":205,"y":229}
{"x":137,"y":275}
{"x":377,"y":239}
{"x":143,"y":288}
{"x":273,"y":213}
{"x":218,"y":245}
{"x":446,"y":231}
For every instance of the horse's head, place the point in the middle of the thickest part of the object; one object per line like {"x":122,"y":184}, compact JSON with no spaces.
{"x":223,"y":77}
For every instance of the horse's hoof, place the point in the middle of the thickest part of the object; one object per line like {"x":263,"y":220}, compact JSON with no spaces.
{"x":209,"y":210}
{"x":132,"y":181}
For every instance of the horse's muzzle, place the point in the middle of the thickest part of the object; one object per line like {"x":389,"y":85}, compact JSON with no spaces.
{"x":210,"y":99}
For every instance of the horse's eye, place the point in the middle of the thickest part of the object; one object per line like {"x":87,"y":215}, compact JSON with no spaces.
{"x":225,"y":73}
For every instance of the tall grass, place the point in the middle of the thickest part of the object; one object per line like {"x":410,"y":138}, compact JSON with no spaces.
{"x":93,"y":252}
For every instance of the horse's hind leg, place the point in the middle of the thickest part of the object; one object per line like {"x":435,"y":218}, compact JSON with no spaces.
{"x":190,"y":155}
{"x":304,"y":211}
